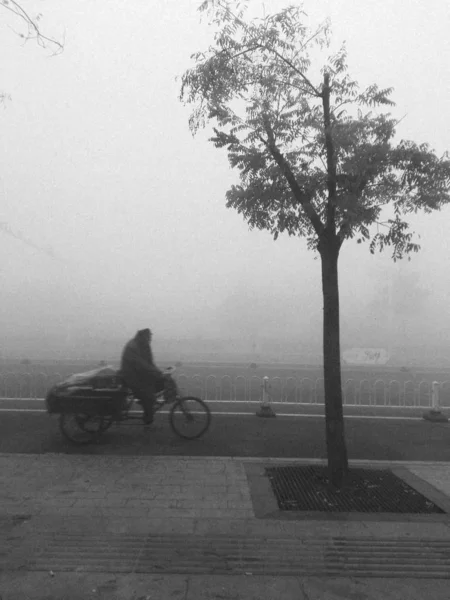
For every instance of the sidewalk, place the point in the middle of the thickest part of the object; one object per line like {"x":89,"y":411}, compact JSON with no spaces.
{"x":112,"y":527}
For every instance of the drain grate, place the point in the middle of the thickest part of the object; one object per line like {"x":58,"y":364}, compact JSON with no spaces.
{"x":307,"y":488}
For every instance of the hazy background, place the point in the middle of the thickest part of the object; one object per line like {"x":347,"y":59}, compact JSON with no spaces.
{"x":97,"y":162}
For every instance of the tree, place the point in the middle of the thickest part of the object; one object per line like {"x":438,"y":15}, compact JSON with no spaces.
{"x":33,"y":26}
{"x":315,"y":155}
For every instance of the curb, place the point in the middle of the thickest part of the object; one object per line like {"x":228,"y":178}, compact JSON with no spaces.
{"x":261,"y":459}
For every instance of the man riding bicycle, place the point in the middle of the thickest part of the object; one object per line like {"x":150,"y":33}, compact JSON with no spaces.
{"x":140,"y":373}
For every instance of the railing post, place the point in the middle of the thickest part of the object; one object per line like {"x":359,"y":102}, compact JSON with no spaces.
{"x":265,"y":410}
{"x":435,"y":414}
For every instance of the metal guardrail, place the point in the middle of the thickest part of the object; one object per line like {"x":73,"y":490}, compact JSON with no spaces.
{"x":290,"y":390}
{"x":306,"y":390}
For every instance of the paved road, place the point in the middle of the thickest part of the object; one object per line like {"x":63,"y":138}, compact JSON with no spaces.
{"x":238,"y":435}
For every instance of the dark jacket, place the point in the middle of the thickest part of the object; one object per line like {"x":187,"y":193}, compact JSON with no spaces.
{"x":137,"y":367}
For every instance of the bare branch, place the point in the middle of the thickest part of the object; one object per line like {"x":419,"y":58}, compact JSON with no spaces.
{"x":48,"y":250}
{"x":34,"y":31}
{"x":400,"y":120}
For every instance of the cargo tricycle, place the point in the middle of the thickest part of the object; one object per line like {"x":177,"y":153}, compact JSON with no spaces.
{"x":89,"y":403}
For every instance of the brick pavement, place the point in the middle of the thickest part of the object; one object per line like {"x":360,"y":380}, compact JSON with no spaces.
{"x":176,"y":495}
{"x":111,"y":486}
{"x":197,"y":493}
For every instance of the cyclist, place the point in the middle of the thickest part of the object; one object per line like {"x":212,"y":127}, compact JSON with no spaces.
{"x":140,"y":373}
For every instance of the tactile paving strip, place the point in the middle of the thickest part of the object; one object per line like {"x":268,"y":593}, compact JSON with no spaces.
{"x":224,"y":554}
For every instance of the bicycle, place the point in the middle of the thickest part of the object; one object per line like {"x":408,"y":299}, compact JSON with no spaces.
{"x":84,"y":417}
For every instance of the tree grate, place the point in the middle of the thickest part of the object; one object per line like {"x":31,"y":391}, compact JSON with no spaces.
{"x":307,"y":488}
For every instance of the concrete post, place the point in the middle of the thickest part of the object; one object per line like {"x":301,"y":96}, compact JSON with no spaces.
{"x":265,"y":410}
{"x":435,"y":414}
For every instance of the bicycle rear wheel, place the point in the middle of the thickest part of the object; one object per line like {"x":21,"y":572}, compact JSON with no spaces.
{"x":82,"y":429}
{"x":190,"y":417}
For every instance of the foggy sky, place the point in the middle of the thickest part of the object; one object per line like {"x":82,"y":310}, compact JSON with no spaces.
{"x":98,"y":163}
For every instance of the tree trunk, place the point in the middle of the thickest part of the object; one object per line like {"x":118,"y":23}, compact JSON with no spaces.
{"x":334,"y":418}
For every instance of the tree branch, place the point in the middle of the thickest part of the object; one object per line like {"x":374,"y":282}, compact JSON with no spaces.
{"x":288,"y":62}
{"x":289,"y":83}
{"x":19,"y":11}
{"x":299,"y":194}
{"x":231,"y":57}
{"x":319,"y":30}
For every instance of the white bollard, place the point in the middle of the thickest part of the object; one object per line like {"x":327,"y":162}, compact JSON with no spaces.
{"x":265,"y":410}
{"x":435,"y":414}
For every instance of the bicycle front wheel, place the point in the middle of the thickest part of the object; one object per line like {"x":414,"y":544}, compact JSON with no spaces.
{"x":190,"y":417}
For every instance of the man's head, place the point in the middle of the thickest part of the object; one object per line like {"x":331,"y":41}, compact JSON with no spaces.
{"x":145,"y":334}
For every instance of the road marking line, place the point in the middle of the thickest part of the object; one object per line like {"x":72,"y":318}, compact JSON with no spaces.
{"x":249,"y":414}
{"x":323,"y":416}
{"x":257,"y":404}
{"x":22,"y":399}
{"x":32,"y":410}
